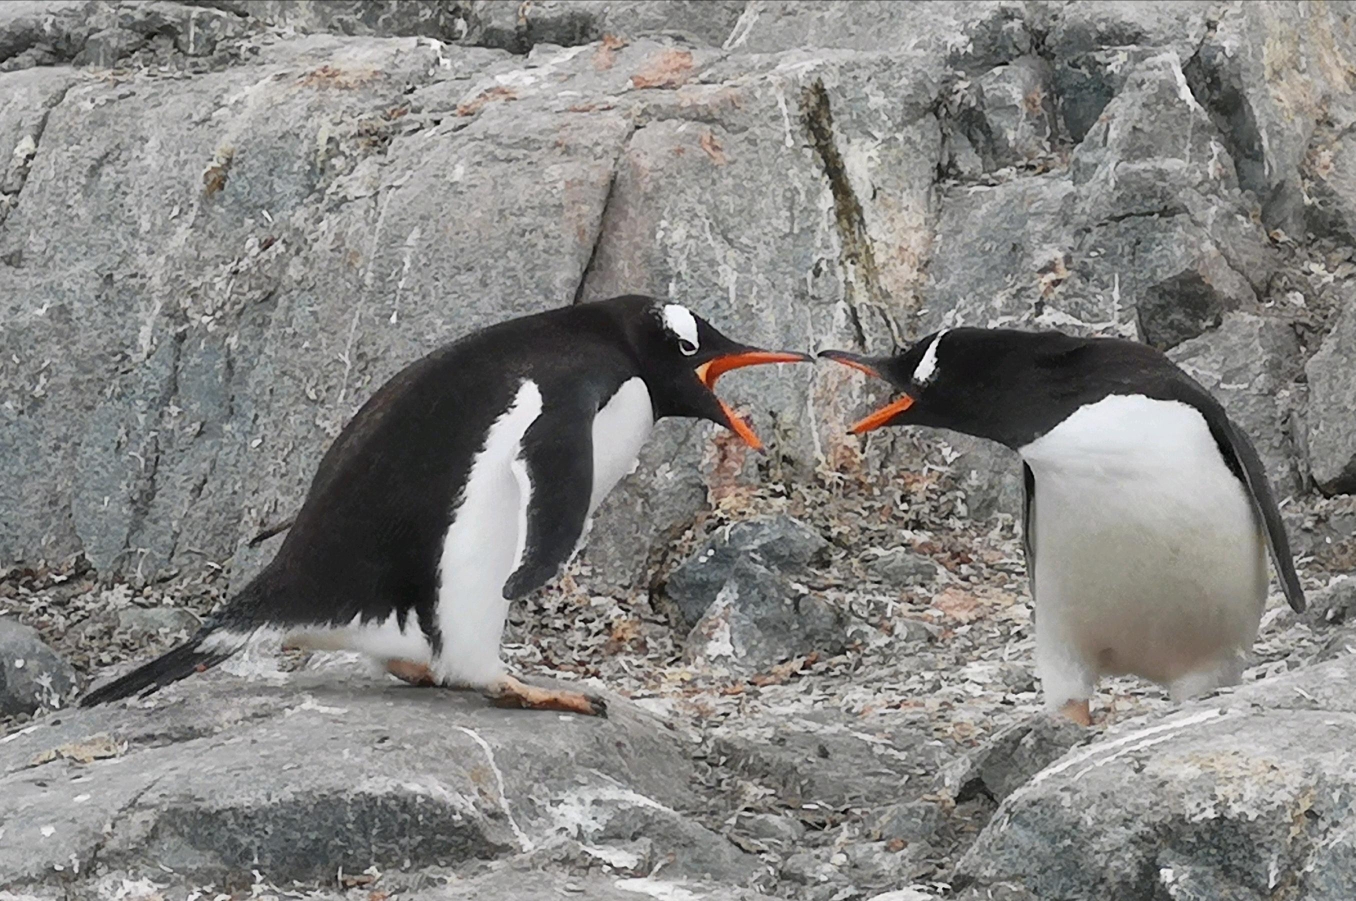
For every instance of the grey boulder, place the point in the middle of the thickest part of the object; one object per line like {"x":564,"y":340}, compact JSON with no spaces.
{"x":1331,"y":434}
{"x":902,"y":568}
{"x":911,"y":821}
{"x":779,"y":543}
{"x":32,"y":676}
{"x":521,"y":883}
{"x":1010,"y":757}
{"x":1333,"y":604}
{"x":760,"y":618}
{"x":217,"y":777}
{"x":1230,"y":798}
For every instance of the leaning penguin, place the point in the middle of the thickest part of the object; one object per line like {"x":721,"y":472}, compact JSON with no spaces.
{"x":464,"y":483}
{"x":1147,"y":514}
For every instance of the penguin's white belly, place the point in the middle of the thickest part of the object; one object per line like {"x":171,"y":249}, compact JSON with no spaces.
{"x":620,"y":430}
{"x":1149,"y":557}
{"x":485,"y":543}
{"x":482,"y":548}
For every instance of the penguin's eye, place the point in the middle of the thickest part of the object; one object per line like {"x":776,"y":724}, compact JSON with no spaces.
{"x":687,"y":347}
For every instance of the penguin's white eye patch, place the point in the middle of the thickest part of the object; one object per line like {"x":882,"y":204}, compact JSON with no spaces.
{"x":679,"y":320}
{"x":927,"y":367}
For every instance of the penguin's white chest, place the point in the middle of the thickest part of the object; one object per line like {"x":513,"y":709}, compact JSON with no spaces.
{"x":483,"y":546}
{"x":620,"y":430}
{"x":485,"y":543}
{"x":1149,"y":557}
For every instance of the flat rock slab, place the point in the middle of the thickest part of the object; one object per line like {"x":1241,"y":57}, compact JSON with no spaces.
{"x":831,"y":760}
{"x":219,"y":777}
{"x":518,"y":885}
{"x":1231,"y":798}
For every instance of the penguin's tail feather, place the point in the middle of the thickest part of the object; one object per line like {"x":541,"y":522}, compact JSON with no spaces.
{"x":220,"y":637}
{"x":203,"y":651}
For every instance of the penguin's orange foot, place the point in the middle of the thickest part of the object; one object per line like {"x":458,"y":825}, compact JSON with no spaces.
{"x":509,"y":692}
{"x":1078,"y":712}
{"x":413,"y":673}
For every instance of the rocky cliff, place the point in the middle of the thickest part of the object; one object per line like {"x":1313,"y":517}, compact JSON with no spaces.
{"x":224,"y":224}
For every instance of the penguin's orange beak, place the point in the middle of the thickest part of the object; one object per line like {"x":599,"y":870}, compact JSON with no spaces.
{"x":885,"y":413}
{"x":713,"y":369}
{"x":881,"y":416}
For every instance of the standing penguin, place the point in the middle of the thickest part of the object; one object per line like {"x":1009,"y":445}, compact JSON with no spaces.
{"x":1147,"y":513}
{"x":465,"y":483}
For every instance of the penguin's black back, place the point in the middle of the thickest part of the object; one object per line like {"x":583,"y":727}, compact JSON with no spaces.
{"x":367,"y":541}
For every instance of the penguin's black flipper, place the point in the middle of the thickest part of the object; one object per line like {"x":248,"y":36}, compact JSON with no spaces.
{"x":1029,"y":530}
{"x":1241,"y":456}
{"x":555,"y":479}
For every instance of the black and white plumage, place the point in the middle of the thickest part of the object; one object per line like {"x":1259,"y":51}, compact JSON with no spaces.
{"x":466,"y":482}
{"x":1147,"y":512}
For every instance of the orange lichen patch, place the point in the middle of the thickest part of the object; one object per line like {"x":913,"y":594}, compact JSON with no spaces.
{"x":590,"y":107}
{"x":88,"y":750}
{"x":218,"y":171}
{"x":476,"y":104}
{"x":626,"y":634}
{"x":330,"y":77}
{"x":1052,"y":275}
{"x":605,"y":57}
{"x":668,"y":69}
{"x":1034,"y":101}
{"x":1320,"y":161}
{"x":724,"y":462}
{"x":782,"y":672}
{"x":712,"y":147}
{"x":712,"y":97}
{"x":958,"y":605}
{"x":213,"y":180}
{"x":964,"y":606}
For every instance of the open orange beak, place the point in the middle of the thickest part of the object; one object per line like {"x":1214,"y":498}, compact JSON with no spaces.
{"x":711,"y":370}
{"x":885,"y":413}
{"x":881,"y":416}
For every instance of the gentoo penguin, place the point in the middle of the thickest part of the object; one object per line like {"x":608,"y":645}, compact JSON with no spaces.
{"x":1147,"y":513}
{"x":464,"y":483}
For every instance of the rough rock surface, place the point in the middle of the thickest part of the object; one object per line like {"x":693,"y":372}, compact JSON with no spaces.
{"x":777,"y":542}
{"x":1332,"y":393}
{"x":223,"y":224}
{"x":1010,"y":757}
{"x":213,"y":781}
{"x":247,"y":216}
{"x":1333,"y":604}
{"x":900,"y":567}
{"x":32,"y":676}
{"x":1225,"y":799}
{"x":825,"y":759}
{"x":760,"y":618}
{"x":143,"y":621}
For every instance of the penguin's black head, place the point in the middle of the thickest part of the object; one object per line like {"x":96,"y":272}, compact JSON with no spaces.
{"x":681,"y":355}
{"x":998,"y":384}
